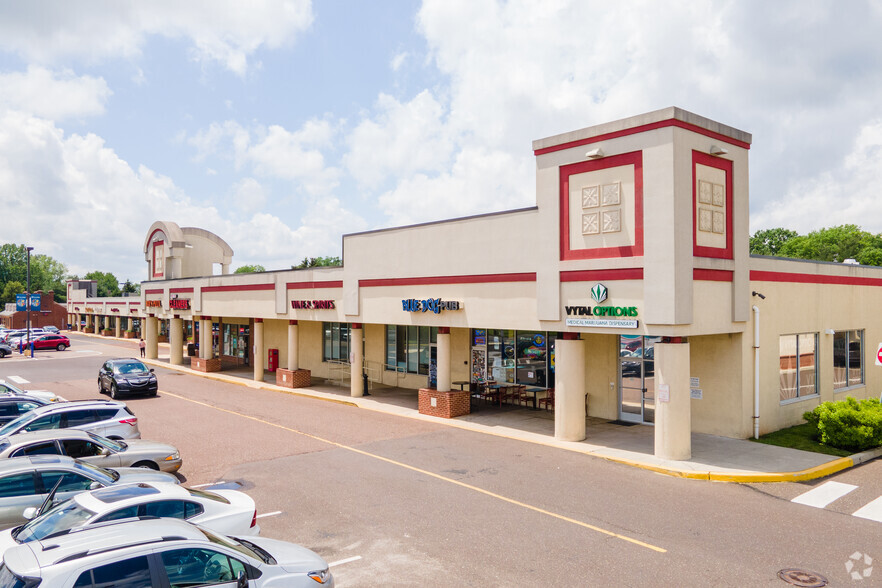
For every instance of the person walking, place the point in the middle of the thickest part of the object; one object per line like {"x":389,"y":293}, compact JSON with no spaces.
{"x":142,"y":346}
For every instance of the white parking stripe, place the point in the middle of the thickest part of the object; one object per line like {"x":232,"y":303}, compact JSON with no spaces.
{"x":204,"y":485}
{"x":269,"y":514}
{"x":18,"y":379}
{"x":872,"y":511}
{"x":824,"y":494}
{"x":343,"y":561}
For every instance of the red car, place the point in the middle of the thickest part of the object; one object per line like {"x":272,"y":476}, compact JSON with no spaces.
{"x":59,"y":342}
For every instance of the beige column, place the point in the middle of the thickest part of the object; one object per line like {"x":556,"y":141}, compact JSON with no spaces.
{"x":151,"y":337}
{"x":259,"y":351}
{"x":293,"y":351}
{"x":205,"y":338}
{"x":673,"y":404}
{"x":356,"y":360}
{"x":78,"y":326}
{"x":117,"y":326}
{"x":569,"y":392}
{"x":443,"y":358}
{"x":176,"y":341}
{"x":88,"y":320}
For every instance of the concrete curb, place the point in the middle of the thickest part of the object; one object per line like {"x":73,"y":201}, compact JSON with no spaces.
{"x":821,"y":471}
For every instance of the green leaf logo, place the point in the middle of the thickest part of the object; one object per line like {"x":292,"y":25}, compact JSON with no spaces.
{"x":598,"y":293}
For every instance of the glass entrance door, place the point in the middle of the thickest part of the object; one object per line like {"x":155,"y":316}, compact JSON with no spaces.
{"x":637,"y":378}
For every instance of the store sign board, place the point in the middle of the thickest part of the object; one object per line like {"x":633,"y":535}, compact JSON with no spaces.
{"x":435,"y":305}
{"x":879,"y":355}
{"x":598,"y":322}
{"x":179,"y":303}
{"x":313,"y":305}
{"x":153,"y":303}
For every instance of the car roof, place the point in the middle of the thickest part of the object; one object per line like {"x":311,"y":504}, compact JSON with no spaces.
{"x":31,"y":436}
{"x":15,"y":396}
{"x":122,"y":495}
{"x":74,"y":404}
{"x":124,"y":359}
{"x":82,"y":542}
{"x":16,"y":464}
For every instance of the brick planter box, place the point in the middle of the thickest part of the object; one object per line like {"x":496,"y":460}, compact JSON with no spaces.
{"x":162,"y":339}
{"x":107,"y":332}
{"x":88,"y":330}
{"x":129,"y":335}
{"x":205,"y":365}
{"x":293,"y":379}
{"x":448,"y":405}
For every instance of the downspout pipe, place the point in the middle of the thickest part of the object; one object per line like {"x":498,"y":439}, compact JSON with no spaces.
{"x":756,"y":371}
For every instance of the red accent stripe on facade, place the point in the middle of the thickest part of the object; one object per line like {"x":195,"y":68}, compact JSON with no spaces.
{"x":134,"y":304}
{"x":433,"y":280}
{"x":306,"y":285}
{"x":181,"y":290}
{"x":154,"y":291}
{"x":712,"y":275}
{"x":642,"y":129}
{"x":239,"y":288}
{"x":725,"y":165}
{"x":629,"y":273}
{"x":566,"y":253}
{"x":764,"y":276}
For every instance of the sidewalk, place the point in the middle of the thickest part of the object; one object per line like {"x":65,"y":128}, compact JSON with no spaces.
{"x":713,"y":458}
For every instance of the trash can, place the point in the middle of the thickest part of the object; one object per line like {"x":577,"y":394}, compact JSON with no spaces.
{"x":273,"y":360}
{"x":191,"y":350}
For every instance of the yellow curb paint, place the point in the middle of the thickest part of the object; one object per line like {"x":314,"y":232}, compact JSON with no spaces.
{"x":431,"y":474}
{"x":837,"y":465}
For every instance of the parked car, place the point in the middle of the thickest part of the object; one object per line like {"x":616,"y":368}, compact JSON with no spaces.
{"x":9,"y":388}
{"x":50,"y":341}
{"x":225,"y":511}
{"x":93,"y":449}
{"x":51,"y":329}
{"x":5,"y":350}
{"x":126,"y":376}
{"x":160,"y":552}
{"x":25,"y":482}
{"x":107,"y":418}
{"x":13,"y":406}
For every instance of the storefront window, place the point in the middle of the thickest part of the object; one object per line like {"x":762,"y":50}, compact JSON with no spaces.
{"x":335,"y":342}
{"x":236,"y":340}
{"x":848,"y":365}
{"x":409,"y":348}
{"x":531,"y":358}
{"x":798,"y":360}
{"x":501,"y":355}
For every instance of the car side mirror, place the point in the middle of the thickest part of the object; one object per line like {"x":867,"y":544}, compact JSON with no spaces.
{"x":29,"y":513}
{"x":95,"y":485}
{"x":151,"y":370}
{"x":241,"y":580}
{"x":104,"y":451}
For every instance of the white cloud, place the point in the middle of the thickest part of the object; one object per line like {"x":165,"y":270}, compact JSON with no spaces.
{"x":398,"y":60}
{"x":249,"y":195}
{"x":225,"y":31}
{"x":55,"y":95}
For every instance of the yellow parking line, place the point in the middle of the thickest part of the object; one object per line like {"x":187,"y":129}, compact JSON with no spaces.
{"x":431,"y":474}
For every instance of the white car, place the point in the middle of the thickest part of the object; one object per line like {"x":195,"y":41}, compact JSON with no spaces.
{"x":8,"y":388}
{"x":160,"y":552}
{"x":225,"y":511}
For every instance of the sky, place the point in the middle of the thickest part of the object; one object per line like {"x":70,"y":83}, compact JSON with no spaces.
{"x":282,"y":125}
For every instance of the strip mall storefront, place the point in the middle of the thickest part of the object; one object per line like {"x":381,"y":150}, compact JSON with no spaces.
{"x":637,"y":291}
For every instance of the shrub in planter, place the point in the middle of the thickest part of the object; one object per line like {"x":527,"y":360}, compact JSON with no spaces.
{"x":854,"y":425}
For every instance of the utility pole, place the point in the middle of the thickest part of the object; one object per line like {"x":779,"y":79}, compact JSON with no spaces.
{"x":29,"y":301}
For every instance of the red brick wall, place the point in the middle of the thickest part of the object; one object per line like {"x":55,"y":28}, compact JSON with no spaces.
{"x":293,"y":379}
{"x":448,"y":405}
{"x":51,"y":315}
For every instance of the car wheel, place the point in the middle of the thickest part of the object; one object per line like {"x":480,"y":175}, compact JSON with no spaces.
{"x":2,"y":353}
{"x":114,"y":391}
{"x":61,"y":347}
{"x":147,"y":465}
{"x":100,"y":387}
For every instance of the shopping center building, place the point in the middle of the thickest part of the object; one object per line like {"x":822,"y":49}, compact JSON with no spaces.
{"x":627,"y":291}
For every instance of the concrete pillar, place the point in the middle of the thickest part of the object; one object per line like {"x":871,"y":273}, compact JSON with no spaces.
{"x":88,"y":320}
{"x":117,"y":326}
{"x":78,"y":327}
{"x":356,"y":361}
{"x":151,"y":337}
{"x":673,"y":404}
{"x":205,"y":338}
{"x":176,"y":341}
{"x":569,"y":392}
{"x":293,"y":351}
{"x":259,"y":351}
{"x":443,"y":358}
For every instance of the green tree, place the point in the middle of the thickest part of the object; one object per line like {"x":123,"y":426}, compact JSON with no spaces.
{"x":10,"y":289}
{"x":318,"y":262}
{"x":130,"y":288}
{"x":830,"y":244}
{"x":249,"y":269}
{"x":46,"y":272}
{"x":107,"y":283}
{"x":770,"y":241}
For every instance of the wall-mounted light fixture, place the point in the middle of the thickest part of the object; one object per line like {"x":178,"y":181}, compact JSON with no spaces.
{"x":595,"y":153}
{"x":755,"y":293}
{"x":717,"y":150}
{"x":829,"y":331}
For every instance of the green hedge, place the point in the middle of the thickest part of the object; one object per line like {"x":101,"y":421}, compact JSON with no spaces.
{"x":849,"y":424}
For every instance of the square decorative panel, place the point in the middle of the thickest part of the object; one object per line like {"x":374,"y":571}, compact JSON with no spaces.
{"x":591,"y":197}
{"x":719,"y":222}
{"x":705,"y":220}
{"x":612,"y":194}
{"x":705,"y":192}
{"x":590,"y":224}
{"x":612,"y":221}
{"x":719,"y":195}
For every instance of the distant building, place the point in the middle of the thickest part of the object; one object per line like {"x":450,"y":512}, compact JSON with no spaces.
{"x":51,"y":314}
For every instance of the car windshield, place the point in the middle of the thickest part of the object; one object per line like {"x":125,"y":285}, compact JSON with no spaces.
{"x":14,"y":425}
{"x":114,"y":445}
{"x":259,"y":555}
{"x":132,"y":368}
{"x":103,"y":475}
{"x":62,"y":517}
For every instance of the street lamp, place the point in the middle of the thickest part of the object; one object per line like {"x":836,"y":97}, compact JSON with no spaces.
{"x":28,"y":300}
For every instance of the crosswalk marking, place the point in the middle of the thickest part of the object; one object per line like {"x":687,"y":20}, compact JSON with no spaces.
{"x":872,"y":511}
{"x":18,"y":379}
{"x":824,"y":494}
